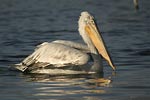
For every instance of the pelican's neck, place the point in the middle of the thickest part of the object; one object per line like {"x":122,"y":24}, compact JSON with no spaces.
{"x":97,"y":65}
{"x":86,"y":38}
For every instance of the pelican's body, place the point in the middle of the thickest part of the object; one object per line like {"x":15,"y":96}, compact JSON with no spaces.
{"x":67,"y":57}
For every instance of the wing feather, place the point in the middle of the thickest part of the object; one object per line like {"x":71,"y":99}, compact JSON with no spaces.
{"x":55,"y":54}
{"x":76,"y":45}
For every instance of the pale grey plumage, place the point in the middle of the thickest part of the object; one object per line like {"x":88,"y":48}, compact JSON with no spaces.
{"x":75,"y":45}
{"x":56,"y":54}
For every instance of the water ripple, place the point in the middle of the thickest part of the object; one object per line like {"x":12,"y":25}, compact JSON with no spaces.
{"x":27,"y":23}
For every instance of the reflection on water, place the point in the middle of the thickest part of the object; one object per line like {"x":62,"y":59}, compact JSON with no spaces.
{"x":67,"y":85}
{"x":27,"y":23}
{"x":57,"y":87}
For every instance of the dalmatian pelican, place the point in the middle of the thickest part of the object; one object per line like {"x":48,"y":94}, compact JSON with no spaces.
{"x":68,"y":57}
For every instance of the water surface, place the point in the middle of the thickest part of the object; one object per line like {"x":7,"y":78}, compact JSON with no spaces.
{"x":27,"y":23}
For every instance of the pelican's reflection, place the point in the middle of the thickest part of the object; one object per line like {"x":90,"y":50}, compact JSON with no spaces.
{"x":94,"y":80}
{"x":64,"y":86}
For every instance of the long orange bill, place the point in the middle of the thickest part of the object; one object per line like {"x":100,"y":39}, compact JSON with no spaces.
{"x":97,"y":40}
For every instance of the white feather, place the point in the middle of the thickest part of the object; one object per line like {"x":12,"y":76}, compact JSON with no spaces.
{"x":57,"y":54}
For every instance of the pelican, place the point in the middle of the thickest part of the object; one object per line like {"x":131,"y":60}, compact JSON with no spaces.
{"x":68,"y":57}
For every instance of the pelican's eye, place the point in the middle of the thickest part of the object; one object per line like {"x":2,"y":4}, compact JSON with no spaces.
{"x":86,"y":20}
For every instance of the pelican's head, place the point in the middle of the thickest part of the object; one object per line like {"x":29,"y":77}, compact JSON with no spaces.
{"x":90,"y":34}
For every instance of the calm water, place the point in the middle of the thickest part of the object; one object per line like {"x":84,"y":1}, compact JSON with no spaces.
{"x":27,"y":23}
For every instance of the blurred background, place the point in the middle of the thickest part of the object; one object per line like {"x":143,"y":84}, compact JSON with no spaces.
{"x":126,"y":31}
